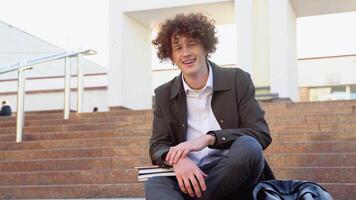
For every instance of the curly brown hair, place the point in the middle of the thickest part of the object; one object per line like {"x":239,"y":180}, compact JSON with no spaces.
{"x":194,"y":25}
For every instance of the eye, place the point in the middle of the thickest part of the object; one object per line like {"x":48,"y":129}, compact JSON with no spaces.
{"x":192,"y":43}
{"x":177,"y":48}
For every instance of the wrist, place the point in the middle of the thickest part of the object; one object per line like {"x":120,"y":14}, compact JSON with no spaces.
{"x":211,"y":137}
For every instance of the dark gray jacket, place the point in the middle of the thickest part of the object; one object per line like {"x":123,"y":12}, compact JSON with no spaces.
{"x":233,"y":104}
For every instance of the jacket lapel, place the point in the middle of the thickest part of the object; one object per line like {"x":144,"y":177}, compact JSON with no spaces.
{"x":179,"y":107}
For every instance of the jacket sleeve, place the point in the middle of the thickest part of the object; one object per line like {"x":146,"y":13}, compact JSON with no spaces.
{"x":161,"y":140}
{"x":252,"y":121}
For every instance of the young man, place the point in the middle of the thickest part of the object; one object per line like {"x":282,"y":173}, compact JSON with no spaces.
{"x":207,"y":124}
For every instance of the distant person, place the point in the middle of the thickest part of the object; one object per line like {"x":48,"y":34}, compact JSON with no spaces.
{"x":5,"y":109}
{"x":95,"y":109}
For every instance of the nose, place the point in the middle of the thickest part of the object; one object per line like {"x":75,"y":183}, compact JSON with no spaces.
{"x":186,"y":51}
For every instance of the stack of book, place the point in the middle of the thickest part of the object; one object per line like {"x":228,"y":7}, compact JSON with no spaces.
{"x":145,"y":172}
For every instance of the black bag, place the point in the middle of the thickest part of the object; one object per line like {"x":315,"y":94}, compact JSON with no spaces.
{"x":289,"y":190}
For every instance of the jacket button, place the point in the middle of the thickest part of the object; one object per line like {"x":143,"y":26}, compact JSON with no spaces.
{"x":183,"y":125}
{"x":221,"y":121}
{"x":223,"y":138}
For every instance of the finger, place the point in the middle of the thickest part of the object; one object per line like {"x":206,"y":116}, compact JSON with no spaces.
{"x":201,"y":181}
{"x":181,"y":184}
{"x":178,"y":156}
{"x":185,"y":153}
{"x":195,"y":185}
{"x":173,"y":154}
{"x":169,"y":154}
{"x":188,"y":187}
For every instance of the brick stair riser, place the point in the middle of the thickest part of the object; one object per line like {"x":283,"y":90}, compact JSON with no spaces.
{"x":306,"y":112}
{"x":338,"y":191}
{"x":91,"y":126}
{"x":111,"y":160}
{"x":312,"y":160}
{"x":310,"y":137}
{"x":42,"y":122}
{"x":73,"y":164}
{"x":309,"y":105}
{"x":74,"y":153}
{"x":350,"y":126}
{"x":324,"y":175}
{"x":277,"y":136}
{"x":341,"y":191}
{"x":55,"y":116}
{"x":84,"y":115}
{"x":69,"y":177}
{"x":323,"y":147}
{"x":55,"y":144}
{"x":281,"y":136}
{"x":76,"y":135}
{"x":73,"y":191}
{"x":320,"y":175}
{"x":275,"y":147}
{"x":307,"y":119}
{"x":113,"y":126}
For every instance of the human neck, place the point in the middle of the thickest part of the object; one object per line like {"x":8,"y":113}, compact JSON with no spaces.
{"x":197,"y":81}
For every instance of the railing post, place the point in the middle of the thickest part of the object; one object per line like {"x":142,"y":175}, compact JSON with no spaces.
{"x":79,"y":85}
{"x":20,"y":104}
{"x":67,"y":89}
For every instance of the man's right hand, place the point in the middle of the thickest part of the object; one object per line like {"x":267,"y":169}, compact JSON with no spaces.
{"x":190,"y":177}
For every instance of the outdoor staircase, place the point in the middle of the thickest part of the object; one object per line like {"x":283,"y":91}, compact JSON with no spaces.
{"x":92,"y":155}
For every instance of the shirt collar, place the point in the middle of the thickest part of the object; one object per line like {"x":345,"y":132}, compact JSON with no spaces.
{"x":209,"y":82}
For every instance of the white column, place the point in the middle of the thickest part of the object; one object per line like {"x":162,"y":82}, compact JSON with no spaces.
{"x":115,"y":55}
{"x":130,"y":71}
{"x":283,"y":56}
{"x":244,"y":30}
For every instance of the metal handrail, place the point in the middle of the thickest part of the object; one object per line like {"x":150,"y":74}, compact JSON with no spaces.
{"x":24,"y":65}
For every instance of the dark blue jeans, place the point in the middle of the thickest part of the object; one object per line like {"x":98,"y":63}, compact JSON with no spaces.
{"x":231,"y":177}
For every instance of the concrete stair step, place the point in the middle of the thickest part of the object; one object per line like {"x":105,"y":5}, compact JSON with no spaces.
{"x":106,"y":163}
{"x":81,"y":120}
{"x":102,"y":162}
{"x":72,"y":191}
{"x":69,"y":177}
{"x":312,"y":136}
{"x":277,"y":159}
{"x":341,"y":191}
{"x":84,"y":152}
{"x":311,"y":119}
{"x":310,"y":104}
{"x":42,"y":116}
{"x":313,"y":147}
{"x":142,"y":141}
{"x":61,"y":135}
{"x":312,"y":159}
{"x":327,"y":174}
{"x":76,"y":127}
{"x":284,"y":136}
{"x":305,"y":112}
{"x":323,"y":127}
{"x":91,"y":142}
{"x":59,"y":115}
{"x":317,"y":174}
{"x":128,"y":190}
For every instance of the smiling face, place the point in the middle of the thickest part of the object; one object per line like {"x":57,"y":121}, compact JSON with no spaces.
{"x":189,"y":55}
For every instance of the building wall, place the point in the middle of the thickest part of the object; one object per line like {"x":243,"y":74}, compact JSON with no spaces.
{"x":54,"y":100}
{"x":48,"y":93}
{"x":334,"y":70}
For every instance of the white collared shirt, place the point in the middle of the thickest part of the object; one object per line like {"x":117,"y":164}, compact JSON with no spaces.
{"x":201,"y":119}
